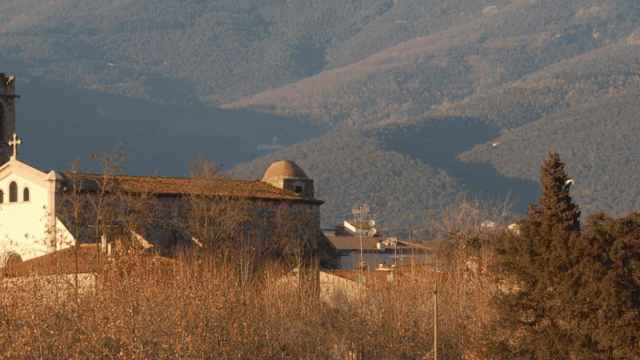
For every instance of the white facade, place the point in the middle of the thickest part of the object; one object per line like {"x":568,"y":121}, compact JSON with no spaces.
{"x":28,"y":225}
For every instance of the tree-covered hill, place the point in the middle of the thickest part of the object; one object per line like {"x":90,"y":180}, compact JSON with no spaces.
{"x":218,"y":50}
{"x":61,"y":123}
{"x":427,"y":73}
{"x":532,"y":64}
{"x":597,"y":140}
{"x":401,"y":89}
{"x":350,"y":167}
{"x":609,"y":71}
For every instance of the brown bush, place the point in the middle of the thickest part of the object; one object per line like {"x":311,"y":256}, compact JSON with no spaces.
{"x":195,"y":307}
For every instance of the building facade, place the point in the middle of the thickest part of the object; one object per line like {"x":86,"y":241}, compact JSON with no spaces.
{"x":43,"y":212}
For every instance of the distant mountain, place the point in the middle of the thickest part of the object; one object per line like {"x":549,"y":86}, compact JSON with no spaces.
{"x":219,"y":50}
{"x":598,"y":141}
{"x":350,"y":168}
{"x":531,"y":64}
{"x":610,"y":71}
{"x":413,"y":103}
{"x":60,"y":124}
{"x":408,"y":81}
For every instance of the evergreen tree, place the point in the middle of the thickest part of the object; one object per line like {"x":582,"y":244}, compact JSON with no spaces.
{"x":567,"y":293}
{"x":555,"y":211}
{"x":534,"y":268}
{"x":607,"y":305}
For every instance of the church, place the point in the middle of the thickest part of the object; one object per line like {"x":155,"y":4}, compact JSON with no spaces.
{"x":42,"y":212}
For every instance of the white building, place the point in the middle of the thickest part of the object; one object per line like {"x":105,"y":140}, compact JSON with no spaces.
{"x":28,"y":225}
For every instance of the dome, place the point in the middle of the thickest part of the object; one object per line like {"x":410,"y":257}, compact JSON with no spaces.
{"x":284,"y":169}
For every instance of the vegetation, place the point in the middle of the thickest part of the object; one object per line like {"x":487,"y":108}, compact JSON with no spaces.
{"x":219,"y":299}
{"x":595,"y":139}
{"x":218,"y":50}
{"x":564,"y":291}
{"x":543,"y":74}
{"x":194,"y":309}
{"x":557,"y":86}
{"x":551,"y":288}
{"x":344,"y":177}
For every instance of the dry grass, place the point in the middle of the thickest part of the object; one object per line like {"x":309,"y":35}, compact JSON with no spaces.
{"x":228,"y":301}
{"x":197,"y":308}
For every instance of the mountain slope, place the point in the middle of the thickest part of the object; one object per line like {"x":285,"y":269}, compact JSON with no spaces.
{"x":353,"y":168}
{"x":219,"y":50}
{"x":598,"y":142}
{"x":400,"y":89}
{"x":406,"y":81}
{"x":60,"y":124}
{"x":607,"y":71}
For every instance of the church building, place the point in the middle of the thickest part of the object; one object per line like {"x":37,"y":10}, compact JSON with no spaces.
{"x":44,"y":212}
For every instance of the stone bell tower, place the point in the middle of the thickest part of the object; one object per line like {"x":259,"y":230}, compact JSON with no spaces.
{"x":7,"y":114}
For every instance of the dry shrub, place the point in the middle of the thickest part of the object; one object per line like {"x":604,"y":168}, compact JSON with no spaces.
{"x":204,"y":305}
{"x":196,"y":307}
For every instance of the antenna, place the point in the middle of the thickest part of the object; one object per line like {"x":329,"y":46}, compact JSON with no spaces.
{"x":361,"y":217}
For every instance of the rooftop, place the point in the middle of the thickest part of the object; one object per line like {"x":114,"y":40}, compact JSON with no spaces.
{"x":348,"y":242}
{"x":89,"y":260}
{"x":284,"y":169}
{"x":173,"y":186}
{"x":352,"y":243}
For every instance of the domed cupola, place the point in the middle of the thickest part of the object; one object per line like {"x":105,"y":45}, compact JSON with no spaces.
{"x":288,"y":175}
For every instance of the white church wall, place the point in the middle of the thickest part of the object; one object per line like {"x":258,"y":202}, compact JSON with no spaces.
{"x":23,"y":224}
{"x":64,"y":239}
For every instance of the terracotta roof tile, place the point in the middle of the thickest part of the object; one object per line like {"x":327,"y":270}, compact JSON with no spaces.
{"x":59,"y":262}
{"x":173,"y":186}
{"x":89,"y":260}
{"x":402,"y":273}
{"x":353,"y":242}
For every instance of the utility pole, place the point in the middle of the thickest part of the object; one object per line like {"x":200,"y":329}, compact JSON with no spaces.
{"x":413,"y":252}
{"x":435,"y":320}
{"x":395,"y":253}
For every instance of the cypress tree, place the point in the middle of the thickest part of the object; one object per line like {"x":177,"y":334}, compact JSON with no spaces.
{"x":555,"y":211}
{"x":534,"y":267}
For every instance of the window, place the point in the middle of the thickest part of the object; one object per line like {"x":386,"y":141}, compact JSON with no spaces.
{"x":299,"y":189}
{"x":13,"y":192}
{"x":25,"y":194}
{"x":1,"y":196}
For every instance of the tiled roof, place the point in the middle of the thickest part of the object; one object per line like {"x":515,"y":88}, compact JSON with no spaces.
{"x":59,"y":262}
{"x":173,"y":186}
{"x":89,"y":260}
{"x":353,"y":242}
{"x":403,"y":273}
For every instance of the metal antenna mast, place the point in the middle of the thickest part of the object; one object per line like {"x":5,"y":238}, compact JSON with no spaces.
{"x":361,"y":216}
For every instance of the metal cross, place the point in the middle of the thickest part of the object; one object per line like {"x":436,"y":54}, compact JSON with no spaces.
{"x":15,"y":141}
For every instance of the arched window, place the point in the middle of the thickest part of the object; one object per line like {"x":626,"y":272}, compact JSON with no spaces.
{"x":1,"y":196}
{"x":13,"y":192}
{"x":25,"y":194}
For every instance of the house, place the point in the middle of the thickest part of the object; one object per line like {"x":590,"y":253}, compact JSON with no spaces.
{"x":360,"y":244}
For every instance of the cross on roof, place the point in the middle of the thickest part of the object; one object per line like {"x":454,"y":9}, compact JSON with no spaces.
{"x":14,"y":142}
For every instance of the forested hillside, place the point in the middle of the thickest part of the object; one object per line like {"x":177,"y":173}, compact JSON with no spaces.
{"x":425,"y":75}
{"x":350,"y":167}
{"x":547,"y":66}
{"x":599,"y":142}
{"x":400,"y":91}
{"x":218,"y":50}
